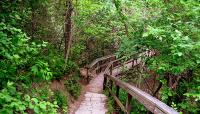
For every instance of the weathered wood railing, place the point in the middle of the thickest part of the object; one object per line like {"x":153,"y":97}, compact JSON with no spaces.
{"x":107,"y":65}
{"x":151,"y":103}
{"x":97,"y":66}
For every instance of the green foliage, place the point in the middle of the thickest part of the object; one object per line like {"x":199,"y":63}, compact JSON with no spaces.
{"x":73,"y":86}
{"x":41,"y":91}
{"x":10,"y":100}
{"x":138,"y":108}
{"x":56,"y":63}
{"x":41,"y":69}
{"x":77,"y":50}
{"x":29,"y":62}
{"x":192,"y":95}
{"x":18,"y":56}
{"x":94,"y":36}
{"x":44,"y":107}
{"x":14,"y":102}
{"x":110,"y":102}
{"x":172,"y":29}
{"x":61,"y":100}
{"x":16,"y":53}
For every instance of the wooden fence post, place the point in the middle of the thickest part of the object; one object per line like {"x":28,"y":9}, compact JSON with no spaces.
{"x":117,"y":95}
{"x":117,"y":91}
{"x":100,"y":63}
{"x":97,"y":70}
{"x":128,"y":104}
{"x":104,"y":81}
{"x":87,"y":73}
{"x":110,"y":86}
{"x":133,"y":61}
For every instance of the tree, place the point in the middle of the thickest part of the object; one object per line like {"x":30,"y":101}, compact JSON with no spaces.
{"x":68,"y":28}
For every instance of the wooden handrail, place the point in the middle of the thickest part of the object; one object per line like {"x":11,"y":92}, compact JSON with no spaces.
{"x":107,"y":64}
{"x":97,"y":65}
{"x":99,"y":59}
{"x":151,"y":103}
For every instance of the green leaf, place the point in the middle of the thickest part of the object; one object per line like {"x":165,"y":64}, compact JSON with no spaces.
{"x":36,"y":110}
{"x":35,"y":100}
{"x":180,"y":54}
{"x":27,"y":98}
{"x":43,"y":106}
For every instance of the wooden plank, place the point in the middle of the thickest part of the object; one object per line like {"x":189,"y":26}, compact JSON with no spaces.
{"x":117,"y":91}
{"x":108,"y":67}
{"x":88,"y":77}
{"x":110,"y":86}
{"x":100,"y":59}
{"x":104,"y":81}
{"x":128,"y":103}
{"x":151,"y":103}
{"x":158,"y":111}
{"x":117,"y":101}
{"x":111,"y":69}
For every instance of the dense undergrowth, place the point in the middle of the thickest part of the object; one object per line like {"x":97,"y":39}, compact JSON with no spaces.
{"x":27,"y":67}
{"x":24,"y":65}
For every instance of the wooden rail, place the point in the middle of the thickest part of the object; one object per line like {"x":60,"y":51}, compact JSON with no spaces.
{"x":97,"y":66}
{"x":151,"y":103}
{"x":107,"y":65}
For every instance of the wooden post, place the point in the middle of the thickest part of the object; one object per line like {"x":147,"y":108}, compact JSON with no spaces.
{"x":148,"y":53}
{"x":104,"y":81}
{"x":97,"y":68}
{"x":100,"y":63}
{"x":117,"y":95}
{"x":111,"y":68}
{"x":117,"y":91}
{"x":111,"y":83}
{"x":87,"y":73}
{"x":128,"y":104}
{"x":133,"y":61}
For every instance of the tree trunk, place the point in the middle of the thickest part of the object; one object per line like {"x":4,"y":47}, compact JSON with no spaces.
{"x":33,"y":24}
{"x":68,"y":29}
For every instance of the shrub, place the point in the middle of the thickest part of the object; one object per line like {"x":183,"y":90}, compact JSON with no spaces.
{"x":73,"y":86}
{"x":61,"y":100}
{"x":12,"y":101}
{"x":41,"y":70}
{"x":56,"y":63}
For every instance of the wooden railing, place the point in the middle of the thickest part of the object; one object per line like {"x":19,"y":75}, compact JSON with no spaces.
{"x":97,"y":66}
{"x":107,"y":65}
{"x":151,"y":103}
